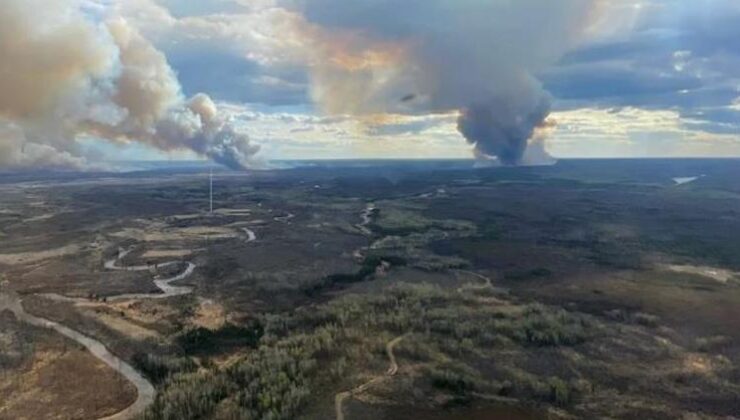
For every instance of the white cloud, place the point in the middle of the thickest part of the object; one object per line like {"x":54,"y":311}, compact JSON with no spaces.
{"x":670,"y":68}
{"x":635,"y":132}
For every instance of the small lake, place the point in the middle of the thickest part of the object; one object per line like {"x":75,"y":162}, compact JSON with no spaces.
{"x":687,"y":179}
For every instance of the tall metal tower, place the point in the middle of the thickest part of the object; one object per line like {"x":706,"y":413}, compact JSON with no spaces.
{"x":211,"y":193}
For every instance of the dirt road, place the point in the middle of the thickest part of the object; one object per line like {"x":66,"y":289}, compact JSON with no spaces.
{"x":392,"y":370}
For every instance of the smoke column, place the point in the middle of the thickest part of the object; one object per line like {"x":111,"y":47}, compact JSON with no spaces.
{"x":479,"y":58}
{"x":64,"y":76}
{"x":501,"y":128}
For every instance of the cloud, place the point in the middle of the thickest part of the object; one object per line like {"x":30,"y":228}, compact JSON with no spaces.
{"x":406,"y":125}
{"x":233,"y":51}
{"x":228,"y":76}
{"x":677,"y":55}
{"x":303,"y":135}
{"x":478,"y":57}
{"x":69,"y":77}
{"x":182,"y":9}
{"x":639,"y":132}
{"x":615,"y":82}
{"x":365,"y":57}
{"x":379,"y":74}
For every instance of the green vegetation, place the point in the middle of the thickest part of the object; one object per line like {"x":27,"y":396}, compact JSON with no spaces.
{"x":541,"y":326}
{"x":160,"y":368}
{"x":369,"y":267}
{"x":310,"y":351}
{"x":407,"y":234}
{"x":392,"y":221}
{"x":16,"y":344}
{"x":457,"y":378}
{"x":639,"y":318}
{"x":539,"y":272}
{"x":202,"y":340}
{"x":714,"y":343}
{"x":321,"y":322}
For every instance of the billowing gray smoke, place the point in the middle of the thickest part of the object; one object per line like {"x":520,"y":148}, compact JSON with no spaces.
{"x":475,"y":57}
{"x":212,"y":136}
{"x":67,"y":78}
{"x":498,"y":128}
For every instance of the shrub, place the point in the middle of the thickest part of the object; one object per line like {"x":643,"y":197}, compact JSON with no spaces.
{"x":455,"y":377}
{"x":708,"y":344}
{"x":159,"y":368}
{"x":202,"y":340}
{"x":542,"y":327}
{"x":560,"y":392}
{"x":646,"y":320}
{"x":367,"y":269}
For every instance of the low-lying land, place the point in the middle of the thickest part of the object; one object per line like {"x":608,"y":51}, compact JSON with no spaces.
{"x":586,"y":290}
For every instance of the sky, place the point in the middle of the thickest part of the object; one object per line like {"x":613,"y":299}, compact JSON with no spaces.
{"x":243,"y":82}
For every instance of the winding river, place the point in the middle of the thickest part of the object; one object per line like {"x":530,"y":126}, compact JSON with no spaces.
{"x":251,"y":236}
{"x":145,"y":390}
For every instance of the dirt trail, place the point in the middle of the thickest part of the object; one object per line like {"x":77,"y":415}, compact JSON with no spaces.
{"x":145,"y":390}
{"x":284,"y":219}
{"x":392,"y":371}
{"x":486,"y":285}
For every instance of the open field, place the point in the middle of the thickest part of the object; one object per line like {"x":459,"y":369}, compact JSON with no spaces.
{"x":589,"y":289}
{"x":32,"y":362}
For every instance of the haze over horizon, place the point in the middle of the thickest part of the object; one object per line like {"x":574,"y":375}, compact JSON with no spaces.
{"x":241,"y":82}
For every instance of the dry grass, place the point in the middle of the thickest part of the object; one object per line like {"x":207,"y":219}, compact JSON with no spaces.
{"x":62,"y":381}
{"x":176,"y":235}
{"x":23,"y":258}
{"x":167,"y":253}
{"x":209,"y":315}
{"x":124,"y":326}
{"x":719,"y":274}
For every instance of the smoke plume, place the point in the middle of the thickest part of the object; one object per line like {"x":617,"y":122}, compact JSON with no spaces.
{"x":501,"y":127}
{"x":65,"y":77}
{"x":477,"y":57}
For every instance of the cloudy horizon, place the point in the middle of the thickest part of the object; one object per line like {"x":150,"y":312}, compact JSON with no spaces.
{"x":243,"y":82}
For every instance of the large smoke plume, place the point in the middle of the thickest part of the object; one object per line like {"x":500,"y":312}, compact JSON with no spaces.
{"x":65,"y":77}
{"x":476,"y":57}
{"x":502,"y":126}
